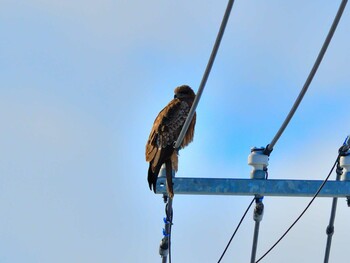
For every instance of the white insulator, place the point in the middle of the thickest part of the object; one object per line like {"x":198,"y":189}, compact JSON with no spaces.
{"x":344,"y":162}
{"x":164,"y":247}
{"x":259,"y":161}
{"x":258,"y":212}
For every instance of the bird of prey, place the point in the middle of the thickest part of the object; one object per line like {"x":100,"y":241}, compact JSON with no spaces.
{"x":165,"y":131}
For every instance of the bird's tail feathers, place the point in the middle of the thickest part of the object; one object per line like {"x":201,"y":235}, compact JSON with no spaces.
{"x":169,"y":179}
{"x":152,"y":177}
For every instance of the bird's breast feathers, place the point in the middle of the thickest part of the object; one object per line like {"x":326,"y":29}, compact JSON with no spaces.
{"x":167,"y":127}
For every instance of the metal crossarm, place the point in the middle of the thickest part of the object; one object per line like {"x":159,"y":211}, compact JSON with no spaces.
{"x":270,"y":187}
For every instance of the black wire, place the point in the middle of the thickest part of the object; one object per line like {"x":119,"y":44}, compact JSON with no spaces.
{"x":234,"y":233}
{"x":307,"y":207}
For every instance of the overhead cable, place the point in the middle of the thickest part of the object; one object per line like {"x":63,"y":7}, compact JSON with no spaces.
{"x":303,"y":212}
{"x":234,"y":233}
{"x":309,"y":78}
{"x":206,"y":75}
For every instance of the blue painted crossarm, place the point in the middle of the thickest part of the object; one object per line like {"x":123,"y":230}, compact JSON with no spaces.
{"x":251,"y":187}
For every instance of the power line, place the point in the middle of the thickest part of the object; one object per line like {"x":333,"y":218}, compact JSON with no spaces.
{"x":234,"y":233}
{"x":310,"y":77}
{"x":206,"y":75}
{"x":302,"y":213}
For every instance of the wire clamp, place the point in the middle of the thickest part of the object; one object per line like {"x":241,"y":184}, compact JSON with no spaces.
{"x":330,"y":230}
{"x":165,"y":233}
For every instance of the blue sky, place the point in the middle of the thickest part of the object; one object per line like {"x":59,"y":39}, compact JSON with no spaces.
{"x":81,"y":84}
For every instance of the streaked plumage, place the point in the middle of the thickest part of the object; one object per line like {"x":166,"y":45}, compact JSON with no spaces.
{"x":165,"y":131}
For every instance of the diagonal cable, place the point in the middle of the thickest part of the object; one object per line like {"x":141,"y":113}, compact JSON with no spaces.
{"x":303,"y":212}
{"x":310,"y":77}
{"x":234,"y":233}
{"x":206,"y":75}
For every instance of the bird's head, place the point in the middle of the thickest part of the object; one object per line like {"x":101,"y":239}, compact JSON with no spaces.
{"x":184,"y":92}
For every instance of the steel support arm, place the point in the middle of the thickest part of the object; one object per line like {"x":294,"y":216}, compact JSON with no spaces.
{"x":250,"y":187}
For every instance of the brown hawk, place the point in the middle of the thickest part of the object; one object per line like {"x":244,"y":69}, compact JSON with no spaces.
{"x":165,"y":131}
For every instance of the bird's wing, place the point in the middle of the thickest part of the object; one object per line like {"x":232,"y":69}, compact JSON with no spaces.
{"x":166,"y":129}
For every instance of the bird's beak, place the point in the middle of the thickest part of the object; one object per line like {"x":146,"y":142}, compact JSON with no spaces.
{"x":175,"y":96}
